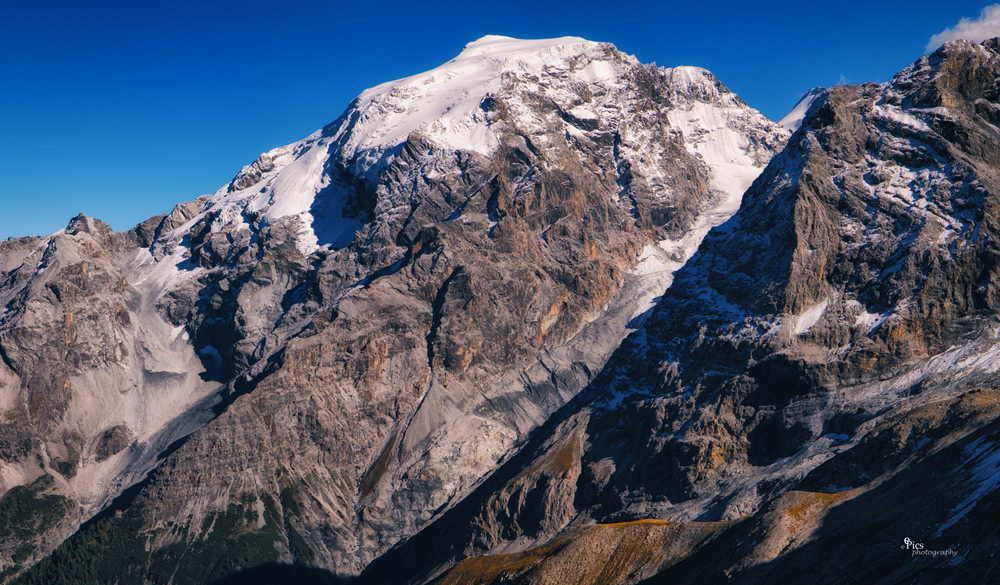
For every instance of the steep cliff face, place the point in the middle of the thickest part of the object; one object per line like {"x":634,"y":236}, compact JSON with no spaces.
{"x":819,"y":371}
{"x":94,"y":382}
{"x":364,"y":323}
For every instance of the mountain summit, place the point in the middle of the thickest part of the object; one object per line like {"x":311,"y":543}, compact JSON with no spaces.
{"x":337,"y":347}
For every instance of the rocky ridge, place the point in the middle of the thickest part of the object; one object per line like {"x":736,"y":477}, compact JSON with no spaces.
{"x":821,"y":370}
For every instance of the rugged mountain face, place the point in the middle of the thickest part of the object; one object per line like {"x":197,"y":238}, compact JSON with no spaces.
{"x":331,"y":351}
{"x":813,"y":398}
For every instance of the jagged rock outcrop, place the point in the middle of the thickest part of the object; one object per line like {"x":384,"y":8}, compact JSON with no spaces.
{"x":94,"y":384}
{"x":817,"y":382}
{"x":363,"y":324}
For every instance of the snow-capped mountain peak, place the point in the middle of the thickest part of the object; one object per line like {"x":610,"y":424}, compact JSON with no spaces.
{"x":445,"y":103}
{"x":449,"y":106}
{"x":793,"y":119}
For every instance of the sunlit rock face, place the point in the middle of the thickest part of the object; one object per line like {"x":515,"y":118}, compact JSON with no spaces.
{"x":335,"y":348}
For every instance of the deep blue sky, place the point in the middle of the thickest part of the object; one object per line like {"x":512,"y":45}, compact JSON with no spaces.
{"x":123,"y":109}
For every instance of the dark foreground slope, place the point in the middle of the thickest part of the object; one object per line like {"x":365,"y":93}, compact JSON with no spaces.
{"x":815,"y":397}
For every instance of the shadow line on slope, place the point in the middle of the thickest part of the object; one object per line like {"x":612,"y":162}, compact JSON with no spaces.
{"x":273,"y":573}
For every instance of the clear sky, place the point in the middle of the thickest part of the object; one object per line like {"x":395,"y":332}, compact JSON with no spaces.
{"x":123,"y":109}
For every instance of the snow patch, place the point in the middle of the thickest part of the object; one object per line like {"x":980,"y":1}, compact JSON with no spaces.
{"x":870,"y":321}
{"x":582,"y":113}
{"x":598,"y":71}
{"x":160,"y":277}
{"x":299,"y":184}
{"x":801,"y":324}
{"x":895,"y":114}
{"x":793,"y":119}
{"x":715,"y":133}
{"x":865,"y":320}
